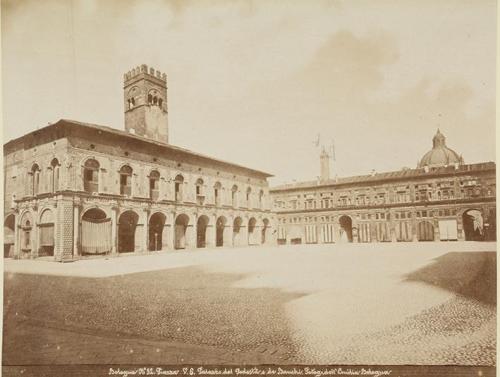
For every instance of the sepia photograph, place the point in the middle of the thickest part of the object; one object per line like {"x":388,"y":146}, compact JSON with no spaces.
{"x":249,"y":187}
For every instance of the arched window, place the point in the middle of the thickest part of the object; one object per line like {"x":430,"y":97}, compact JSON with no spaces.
{"x":35,"y":179}
{"x":126,"y":180}
{"x":249,"y":193}
{"x":150,"y":99}
{"x":155,"y":100}
{"x":54,"y":181}
{"x":200,"y":194}
{"x":178,"y":182}
{"x":160,"y":102}
{"x":217,"y":193}
{"x":199,"y":187}
{"x":234,"y":196}
{"x":154,"y":185}
{"x":91,"y":176}
{"x":261,"y":196}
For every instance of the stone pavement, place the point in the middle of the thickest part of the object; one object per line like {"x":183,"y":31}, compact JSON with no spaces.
{"x":34,"y":343}
{"x":340,"y":304}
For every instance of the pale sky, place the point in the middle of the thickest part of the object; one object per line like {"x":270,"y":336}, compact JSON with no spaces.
{"x":255,"y":82}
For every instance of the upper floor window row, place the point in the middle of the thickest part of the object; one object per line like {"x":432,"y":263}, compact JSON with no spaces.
{"x":91,"y":174}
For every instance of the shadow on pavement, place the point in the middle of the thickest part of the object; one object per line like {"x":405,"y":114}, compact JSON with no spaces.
{"x":470,"y":274}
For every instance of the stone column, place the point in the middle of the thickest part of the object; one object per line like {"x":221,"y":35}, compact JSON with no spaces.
{"x":414,"y":227}
{"x":191,"y":232}
{"x":228,"y":233}
{"x":114,"y":229}
{"x":169,"y":230}
{"x":435,"y":223}
{"x":145,"y":230}
{"x":35,"y":233}
{"x":211,"y":231}
{"x":76,"y":231}
{"x":17,"y":237}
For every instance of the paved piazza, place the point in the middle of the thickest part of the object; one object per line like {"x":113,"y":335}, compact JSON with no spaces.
{"x":395,"y":303}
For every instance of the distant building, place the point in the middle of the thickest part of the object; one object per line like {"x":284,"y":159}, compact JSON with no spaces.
{"x":442,"y":200}
{"x":73,"y":189}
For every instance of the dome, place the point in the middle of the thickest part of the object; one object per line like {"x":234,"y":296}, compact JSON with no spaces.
{"x":440,"y":154}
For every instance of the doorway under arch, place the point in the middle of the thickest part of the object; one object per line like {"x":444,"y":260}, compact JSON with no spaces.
{"x":201,"y":231}
{"x":181,"y":224}
{"x":219,"y":231}
{"x":345,"y":223}
{"x":155,"y":233}
{"x":46,"y":234}
{"x":251,"y":230}
{"x":95,"y":232}
{"x":237,"y":231}
{"x":473,"y":225}
{"x":127,"y":225}
{"x":265,"y":230}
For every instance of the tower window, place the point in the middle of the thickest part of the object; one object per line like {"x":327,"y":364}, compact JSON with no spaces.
{"x":160,"y":102}
{"x":150,"y":99}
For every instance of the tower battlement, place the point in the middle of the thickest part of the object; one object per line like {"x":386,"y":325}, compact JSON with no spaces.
{"x":145,"y":102}
{"x":144,"y":69}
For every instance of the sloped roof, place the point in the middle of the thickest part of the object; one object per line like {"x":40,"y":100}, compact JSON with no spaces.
{"x":73,"y":123}
{"x":392,"y":175}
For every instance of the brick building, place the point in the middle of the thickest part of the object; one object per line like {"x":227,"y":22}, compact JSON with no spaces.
{"x":73,"y":189}
{"x":442,"y":199}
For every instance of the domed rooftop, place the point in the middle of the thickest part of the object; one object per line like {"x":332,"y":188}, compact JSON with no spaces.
{"x":440,"y":154}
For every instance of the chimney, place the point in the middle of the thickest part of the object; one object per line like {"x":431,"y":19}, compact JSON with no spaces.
{"x":324,"y":166}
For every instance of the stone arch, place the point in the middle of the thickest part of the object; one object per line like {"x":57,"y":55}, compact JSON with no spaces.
{"x":252,"y":224}
{"x":95,"y":232}
{"x":220,"y":227}
{"x":237,"y":225}
{"x":46,"y":233}
{"x":9,"y":226}
{"x":264,"y":231}
{"x":181,"y":225}
{"x":345,"y":223}
{"x":201,"y":231}
{"x":156,"y":226}
{"x":127,"y":229}
{"x":473,"y":224}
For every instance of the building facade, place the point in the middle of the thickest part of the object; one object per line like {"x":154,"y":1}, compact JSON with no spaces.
{"x":73,"y":189}
{"x":443,"y":199}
